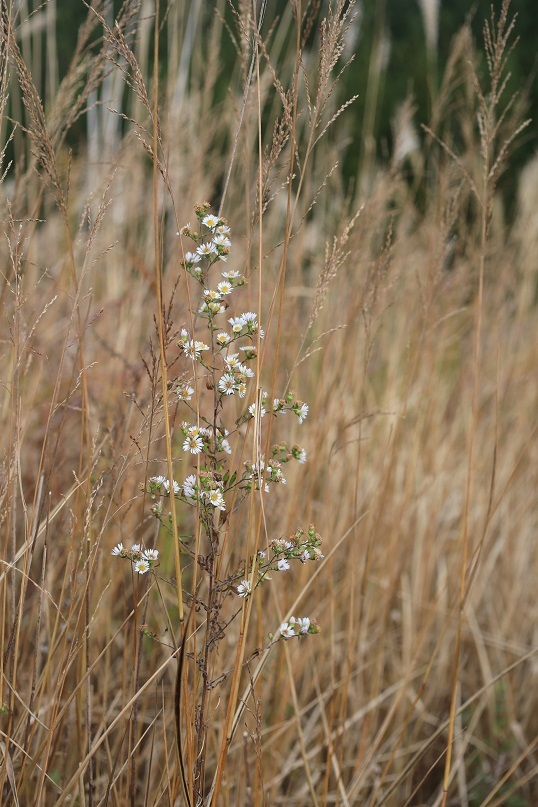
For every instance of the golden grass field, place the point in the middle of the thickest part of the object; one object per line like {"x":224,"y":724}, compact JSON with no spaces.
{"x":404,"y":314}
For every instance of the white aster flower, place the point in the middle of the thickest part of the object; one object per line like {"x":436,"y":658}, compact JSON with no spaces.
{"x":252,"y":409}
{"x":225,"y":446}
{"x":216,"y":499}
{"x":192,"y":257}
{"x":223,"y":229}
{"x":135,"y":548}
{"x":188,"y":487}
{"x":211,"y":221}
{"x":301,"y":412}
{"x":158,"y":480}
{"x":118,"y":549}
{"x":227,"y":384}
{"x":281,"y":544}
{"x":287,"y":631}
{"x":237,"y":323}
{"x":283,"y":565}
{"x":150,"y":554}
{"x":206,"y":249}
{"x":246,"y":371}
{"x":223,"y":339}
{"x":193,"y":349}
{"x":249,"y":316}
{"x":142,"y":566}
{"x":302,"y":457}
{"x":305,"y":556}
{"x":231,"y":274}
{"x":211,"y":294}
{"x":276,"y":476}
{"x":242,"y":389}
{"x":193,"y":443}
{"x":222,"y":240}
{"x":232,"y":360}
{"x":244,"y":588}
{"x":302,"y":622}
{"x":175,"y":486}
{"x":185,"y":393}
{"x":225,"y":287}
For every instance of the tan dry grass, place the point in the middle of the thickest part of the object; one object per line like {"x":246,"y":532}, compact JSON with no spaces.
{"x":360,"y":714}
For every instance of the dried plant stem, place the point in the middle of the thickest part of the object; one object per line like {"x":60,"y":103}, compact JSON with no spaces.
{"x":160,"y":304}
{"x":463,"y":592}
{"x":161,"y":329}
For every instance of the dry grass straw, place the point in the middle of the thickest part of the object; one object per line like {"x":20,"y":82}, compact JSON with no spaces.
{"x":409,"y":328}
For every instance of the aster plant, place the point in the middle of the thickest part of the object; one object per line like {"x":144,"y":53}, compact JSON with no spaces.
{"x":220,"y":354}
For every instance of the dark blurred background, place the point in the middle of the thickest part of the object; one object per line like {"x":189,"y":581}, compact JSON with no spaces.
{"x":399,"y":51}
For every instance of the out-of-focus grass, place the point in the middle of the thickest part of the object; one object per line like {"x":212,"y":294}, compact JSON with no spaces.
{"x":420,"y":373}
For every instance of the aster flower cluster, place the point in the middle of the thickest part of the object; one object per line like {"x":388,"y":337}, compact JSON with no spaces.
{"x":221,"y":360}
{"x":298,"y":626}
{"x":161,"y":482}
{"x":303,"y":546}
{"x":282,"y":453}
{"x":279,"y":556}
{"x":261,"y":475}
{"x":227,"y":356}
{"x":143,"y":560}
{"x":300,"y":546}
{"x":280,"y":406}
{"x":205,"y":489}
